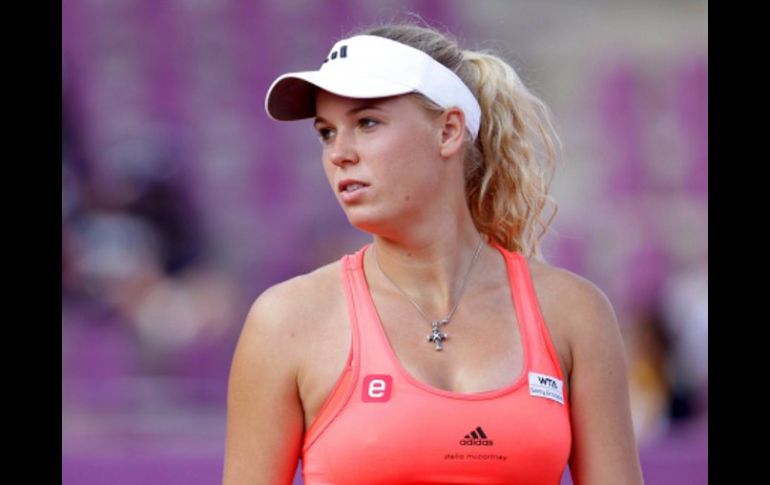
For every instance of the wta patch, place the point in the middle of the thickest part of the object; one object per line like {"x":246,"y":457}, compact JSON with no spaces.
{"x":541,"y":385}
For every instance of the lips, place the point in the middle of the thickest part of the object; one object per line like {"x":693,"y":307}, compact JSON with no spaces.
{"x":350,"y":185}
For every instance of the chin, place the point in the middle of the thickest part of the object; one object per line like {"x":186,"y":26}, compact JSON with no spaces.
{"x":368,"y":221}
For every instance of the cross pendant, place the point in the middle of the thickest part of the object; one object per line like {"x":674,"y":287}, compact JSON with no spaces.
{"x":437,"y":337}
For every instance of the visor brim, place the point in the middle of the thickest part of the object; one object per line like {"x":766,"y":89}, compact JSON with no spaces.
{"x":292,"y":96}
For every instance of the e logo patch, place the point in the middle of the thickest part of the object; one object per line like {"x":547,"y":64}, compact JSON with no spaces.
{"x":377,"y":388}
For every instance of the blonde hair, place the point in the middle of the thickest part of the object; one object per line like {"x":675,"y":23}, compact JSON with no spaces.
{"x":509,"y":168}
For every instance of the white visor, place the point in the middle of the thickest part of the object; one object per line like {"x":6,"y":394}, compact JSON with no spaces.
{"x":367,"y":66}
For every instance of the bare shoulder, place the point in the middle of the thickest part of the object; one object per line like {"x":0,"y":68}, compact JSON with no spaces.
{"x":288,"y":307}
{"x":573,"y":307}
{"x":301,"y":292}
{"x":575,"y":292}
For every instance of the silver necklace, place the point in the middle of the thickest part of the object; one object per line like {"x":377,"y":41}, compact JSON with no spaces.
{"x":436,"y":337}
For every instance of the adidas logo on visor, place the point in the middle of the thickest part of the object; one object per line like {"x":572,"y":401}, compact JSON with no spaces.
{"x":343,"y":52}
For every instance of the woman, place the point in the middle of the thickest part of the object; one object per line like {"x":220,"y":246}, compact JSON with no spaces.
{"x":444,"y":351}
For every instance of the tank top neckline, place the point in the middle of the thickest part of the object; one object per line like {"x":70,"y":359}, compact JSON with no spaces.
{"x":522,"y":324}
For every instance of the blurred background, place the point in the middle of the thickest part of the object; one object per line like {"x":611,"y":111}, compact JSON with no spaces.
{"x":182,"y":201}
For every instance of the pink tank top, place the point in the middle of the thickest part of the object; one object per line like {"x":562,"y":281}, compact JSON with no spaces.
{"x":379,"y":425}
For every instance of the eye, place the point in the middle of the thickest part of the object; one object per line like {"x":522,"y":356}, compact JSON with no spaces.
{"x":324,"y":134}
{"x":367,"y":122}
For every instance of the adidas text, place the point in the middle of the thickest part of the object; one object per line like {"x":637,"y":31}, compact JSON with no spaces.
{"x":476,"y":442}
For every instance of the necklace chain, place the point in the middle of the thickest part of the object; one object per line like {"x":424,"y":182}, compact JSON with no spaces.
{"x":445,"y":320}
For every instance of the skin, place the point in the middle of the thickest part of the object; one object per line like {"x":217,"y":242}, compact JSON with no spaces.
{"x":296,"y":337}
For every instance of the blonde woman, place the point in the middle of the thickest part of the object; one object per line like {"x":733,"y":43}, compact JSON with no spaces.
{"x":446,"y":350}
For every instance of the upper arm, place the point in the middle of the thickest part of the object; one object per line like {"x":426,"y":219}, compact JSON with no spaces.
{"x":264,"y":411}
{"x":604,"y":447}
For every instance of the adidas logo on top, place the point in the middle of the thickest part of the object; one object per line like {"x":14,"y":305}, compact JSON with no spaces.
{"x":477,"y":437}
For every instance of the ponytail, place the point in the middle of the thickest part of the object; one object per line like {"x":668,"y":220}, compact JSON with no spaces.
{"x":510,"y":167}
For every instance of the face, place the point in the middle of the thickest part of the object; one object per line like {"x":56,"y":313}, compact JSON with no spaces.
{"x":381,"y":158}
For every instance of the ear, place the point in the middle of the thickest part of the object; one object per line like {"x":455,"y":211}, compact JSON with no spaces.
{"x":452,"y":132}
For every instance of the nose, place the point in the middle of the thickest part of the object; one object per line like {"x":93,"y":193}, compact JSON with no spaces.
{"x":343,"y":150}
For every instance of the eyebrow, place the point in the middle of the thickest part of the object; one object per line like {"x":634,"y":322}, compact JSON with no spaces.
{"x":351,"y":111}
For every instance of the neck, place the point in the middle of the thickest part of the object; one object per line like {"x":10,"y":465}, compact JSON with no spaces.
{"x":430,"y":268}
